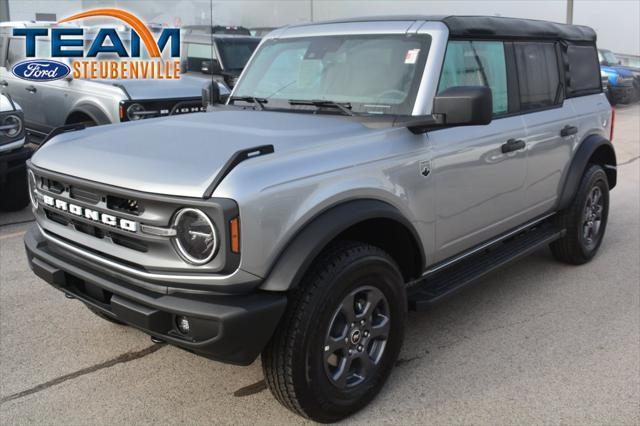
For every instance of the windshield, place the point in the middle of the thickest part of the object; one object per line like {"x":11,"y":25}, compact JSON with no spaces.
{"x":610,"y":57}
{"x":236,"y":53}
{"x":374,"y":74}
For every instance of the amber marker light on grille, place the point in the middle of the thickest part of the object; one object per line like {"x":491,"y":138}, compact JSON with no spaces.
{"x":234,"y":231}
{"x":121,"y":111}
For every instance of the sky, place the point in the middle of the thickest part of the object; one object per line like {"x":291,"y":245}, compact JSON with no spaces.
{"x":617,"y":22}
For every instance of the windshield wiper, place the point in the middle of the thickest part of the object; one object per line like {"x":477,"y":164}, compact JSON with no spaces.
{"x":344,"y":107}
{"x":259,"y":102}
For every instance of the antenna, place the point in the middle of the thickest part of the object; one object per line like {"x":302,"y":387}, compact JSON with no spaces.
{"x":211,"y":40}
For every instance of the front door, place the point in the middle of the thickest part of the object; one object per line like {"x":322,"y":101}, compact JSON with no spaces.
{"x":480,"y":171}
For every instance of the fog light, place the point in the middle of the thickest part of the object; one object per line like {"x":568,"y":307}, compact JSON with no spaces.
{"x":183,"y":325}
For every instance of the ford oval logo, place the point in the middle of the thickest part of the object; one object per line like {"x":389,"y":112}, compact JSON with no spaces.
{"x":40,"y":70}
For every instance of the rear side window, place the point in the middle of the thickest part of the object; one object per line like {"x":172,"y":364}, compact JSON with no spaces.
{"x":584,"y":70}
{"x":477,"y":63}
{"x":16,"y":51}
{"x":3,"y":50}
{"x":538,"y":75}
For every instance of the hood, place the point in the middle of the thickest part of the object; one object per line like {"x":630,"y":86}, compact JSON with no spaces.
{"x":185,"y":87}
{"x":181,"y":155}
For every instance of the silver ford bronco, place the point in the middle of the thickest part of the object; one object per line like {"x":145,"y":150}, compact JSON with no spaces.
{"x":71,"y":102}
{"x":359,"y":169}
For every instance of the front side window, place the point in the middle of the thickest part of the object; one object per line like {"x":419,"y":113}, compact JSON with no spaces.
{"x":538,"y":75}
{"x":373,"y":73}
{"x":199,"y":53}
{"x":16,"y":51}
{"x":3,"y":50}
{"x":477,"y":63}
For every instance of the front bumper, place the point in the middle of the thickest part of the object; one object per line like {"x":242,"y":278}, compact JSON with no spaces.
{"x":231,"y":329}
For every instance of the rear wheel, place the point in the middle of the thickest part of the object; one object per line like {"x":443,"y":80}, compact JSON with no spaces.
{"x":14,"y":192}
{"x":585,"y":219}
{"x":340,"y":336}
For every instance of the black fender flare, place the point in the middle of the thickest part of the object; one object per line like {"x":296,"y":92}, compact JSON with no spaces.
{"x":306,"y":245}
{"x":605,"y":154}
{"x":92,"y":111}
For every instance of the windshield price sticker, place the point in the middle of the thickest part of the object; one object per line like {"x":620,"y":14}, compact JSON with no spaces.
{"x":412,"y":56}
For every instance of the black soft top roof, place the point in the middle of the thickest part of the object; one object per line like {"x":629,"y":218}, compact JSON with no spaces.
{"x":496,"y":27}
{"x":492,"y":26}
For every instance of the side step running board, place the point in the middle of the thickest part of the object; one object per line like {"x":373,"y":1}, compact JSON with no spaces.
{"x":445,"y":282}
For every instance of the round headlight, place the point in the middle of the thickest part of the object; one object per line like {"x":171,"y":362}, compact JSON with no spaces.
{"x":133,"y":112}
{"x":196,"y":237}
{"x":31,"y":179}
{"x":12,"y":125}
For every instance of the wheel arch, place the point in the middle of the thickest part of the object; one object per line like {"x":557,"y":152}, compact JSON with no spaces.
{"x":594,"y":149}
{"x":93,"y":112}
{"x":366,"y":220}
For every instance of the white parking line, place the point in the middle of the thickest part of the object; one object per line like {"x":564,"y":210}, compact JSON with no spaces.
{"x":15,"y":234}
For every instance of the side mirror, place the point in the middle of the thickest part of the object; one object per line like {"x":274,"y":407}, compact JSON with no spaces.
{"x":210,"y":94}
{"x":464,"y":105}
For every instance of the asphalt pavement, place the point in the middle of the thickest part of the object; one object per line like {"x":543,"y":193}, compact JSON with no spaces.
{"x":536,"y":342}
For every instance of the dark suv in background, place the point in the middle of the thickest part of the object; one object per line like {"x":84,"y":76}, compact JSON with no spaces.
{"x":218,"y":55}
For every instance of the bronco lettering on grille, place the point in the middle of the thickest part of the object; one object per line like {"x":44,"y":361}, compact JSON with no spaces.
{"x":96,"y":216}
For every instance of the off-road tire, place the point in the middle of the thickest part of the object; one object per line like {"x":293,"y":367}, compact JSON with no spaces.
{"x":105,"y":317}
{"x":572,"y":248}
{"x":14,"y":192}
{"x":294,"y":363}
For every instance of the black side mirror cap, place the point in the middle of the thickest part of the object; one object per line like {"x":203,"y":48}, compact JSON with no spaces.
{"x":211,"y":94}
{"x":464,"y":105}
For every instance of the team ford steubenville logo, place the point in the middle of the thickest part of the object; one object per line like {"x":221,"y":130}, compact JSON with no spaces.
{"x":40,"y":70}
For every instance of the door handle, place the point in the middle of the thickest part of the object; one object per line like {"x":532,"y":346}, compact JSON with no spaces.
{"x":513,"y":145}
{"x":568,"y":131}
{"x":4,"y":83}
{"x":31,"y":89}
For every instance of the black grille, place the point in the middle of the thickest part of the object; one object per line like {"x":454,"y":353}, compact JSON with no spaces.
{"x":56,"y":217}
{"x":53,"y":185}
{"x":84,"y":195}
{"x":123,"y":205}
{"x":94,"y":231}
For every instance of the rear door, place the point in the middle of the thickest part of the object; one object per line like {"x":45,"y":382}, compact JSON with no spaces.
{"x":550,"y":122}
{"x":479,"y":186}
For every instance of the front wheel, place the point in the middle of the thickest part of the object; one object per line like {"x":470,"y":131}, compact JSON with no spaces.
{"x":340,"y":336}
